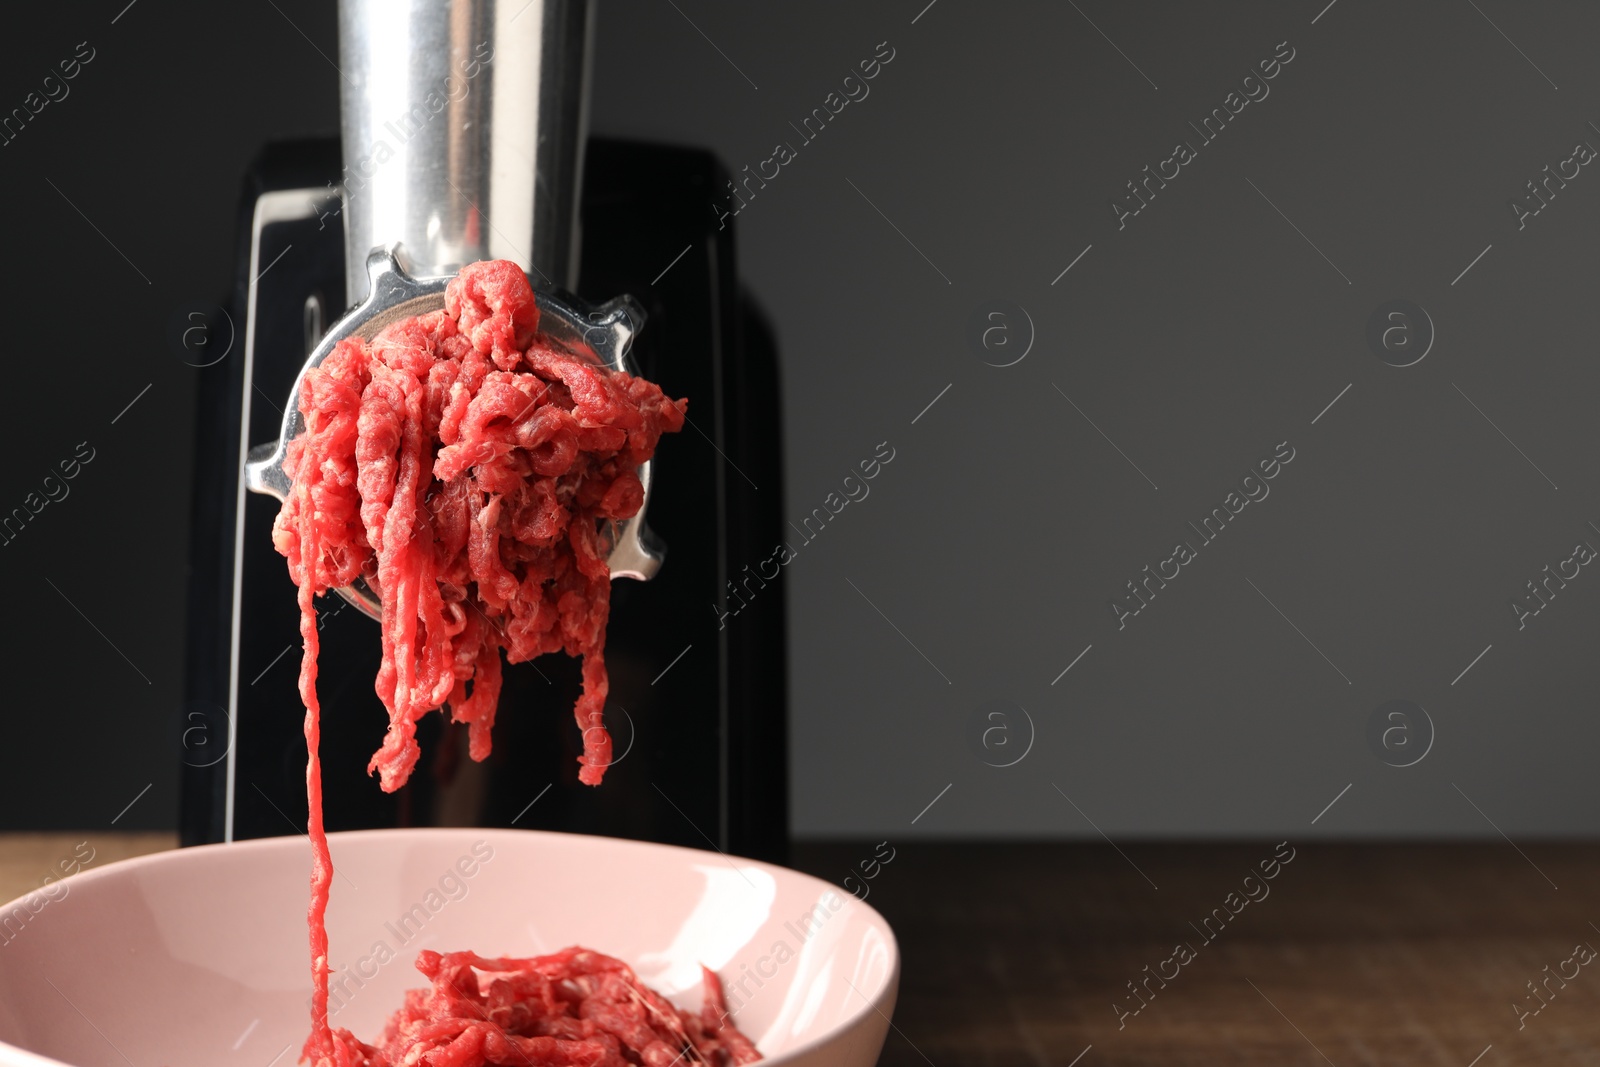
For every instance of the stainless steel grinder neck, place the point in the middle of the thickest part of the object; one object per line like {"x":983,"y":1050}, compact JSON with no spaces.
{"x":463,"y":125}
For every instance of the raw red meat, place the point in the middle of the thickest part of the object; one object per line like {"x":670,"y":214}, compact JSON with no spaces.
{"x":574,"y":1008}
{"x":463,"y":465}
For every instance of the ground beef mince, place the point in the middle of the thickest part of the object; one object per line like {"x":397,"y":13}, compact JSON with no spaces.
{"x":573,"y":1008}
{"x":462,"y":464}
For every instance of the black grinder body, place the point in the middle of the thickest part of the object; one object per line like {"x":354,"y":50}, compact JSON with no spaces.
{"x":697,"y":707}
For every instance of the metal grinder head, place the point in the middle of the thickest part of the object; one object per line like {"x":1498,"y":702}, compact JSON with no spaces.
{"x":463,"y":126}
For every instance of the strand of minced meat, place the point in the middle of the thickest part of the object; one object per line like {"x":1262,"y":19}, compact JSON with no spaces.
{"x":332,"y":400}
{"x":462,"y":465}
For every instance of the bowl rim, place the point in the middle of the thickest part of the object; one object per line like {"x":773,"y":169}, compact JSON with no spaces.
{"x":887,"y":987}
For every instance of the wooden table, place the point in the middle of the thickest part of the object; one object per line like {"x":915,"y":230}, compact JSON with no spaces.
{"x":1358,"y":955}
{"x":1021,"y":954}
{"x":27,"y":859}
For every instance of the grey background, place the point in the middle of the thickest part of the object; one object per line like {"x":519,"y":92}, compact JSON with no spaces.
{"x":1207,"y":331}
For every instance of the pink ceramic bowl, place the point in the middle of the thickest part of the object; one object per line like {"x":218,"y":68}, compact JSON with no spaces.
{"x":198,"y":957}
